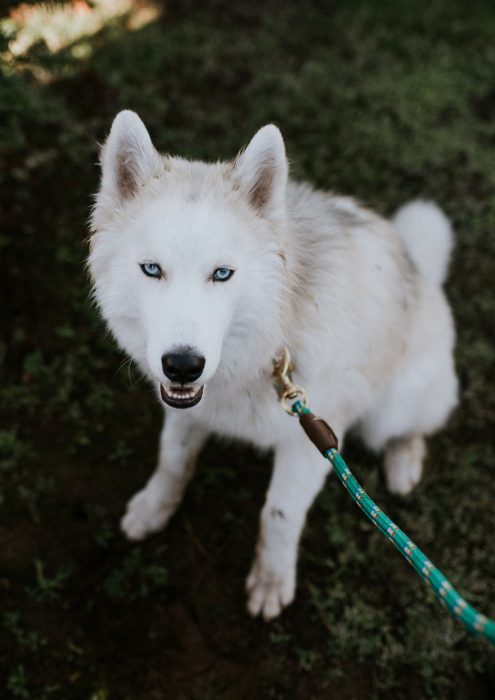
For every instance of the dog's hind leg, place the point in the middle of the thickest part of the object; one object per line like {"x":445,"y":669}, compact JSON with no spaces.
{"x":152,"y":507}
{"x":415,"y":404}
{"x":403,"y":463}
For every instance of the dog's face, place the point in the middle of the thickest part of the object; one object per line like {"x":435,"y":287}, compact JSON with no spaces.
{"x":186,"y":257}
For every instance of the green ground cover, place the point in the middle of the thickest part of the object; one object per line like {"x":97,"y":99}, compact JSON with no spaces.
{"x":385,"y":101}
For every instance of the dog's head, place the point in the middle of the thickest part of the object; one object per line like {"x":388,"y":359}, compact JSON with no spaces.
{"x":187,"y":258}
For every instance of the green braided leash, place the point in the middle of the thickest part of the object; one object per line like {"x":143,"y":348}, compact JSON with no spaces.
{"x":476,"y":623}
{"x":294,"y":400}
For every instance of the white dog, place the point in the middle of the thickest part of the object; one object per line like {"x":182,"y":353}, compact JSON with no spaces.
{"x":204,"y":272}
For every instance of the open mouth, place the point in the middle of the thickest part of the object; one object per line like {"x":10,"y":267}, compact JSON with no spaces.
{"x":181,"y":396}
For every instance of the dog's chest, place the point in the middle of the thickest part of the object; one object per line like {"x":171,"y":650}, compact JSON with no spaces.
{"x":246,"y":413}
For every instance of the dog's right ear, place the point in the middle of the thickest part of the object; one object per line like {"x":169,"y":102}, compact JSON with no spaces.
{"x":261,"y":171}
{"x":128,"y":158}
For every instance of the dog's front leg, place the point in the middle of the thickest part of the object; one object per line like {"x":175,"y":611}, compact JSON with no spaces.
{"x":298,"y":475}
{"x":150,"y":509}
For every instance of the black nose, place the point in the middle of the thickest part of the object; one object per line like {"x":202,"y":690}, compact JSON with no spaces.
{"x":182,"y":366}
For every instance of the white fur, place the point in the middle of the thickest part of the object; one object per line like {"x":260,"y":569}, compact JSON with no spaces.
{"x":368,"y":326}
{"x":427,"y":236}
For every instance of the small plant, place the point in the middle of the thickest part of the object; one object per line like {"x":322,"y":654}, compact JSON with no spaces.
{"x":49,"y":589}
{"x":134,"y":579}
{"x":28,"y":639}
{"x":17,"y":682}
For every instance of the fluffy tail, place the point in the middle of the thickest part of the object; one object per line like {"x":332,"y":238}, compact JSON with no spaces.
{"x":427,"y":236}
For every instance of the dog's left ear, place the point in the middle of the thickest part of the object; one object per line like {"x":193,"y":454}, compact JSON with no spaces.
{"x":262,"y":170}
{"x":128,"y":158}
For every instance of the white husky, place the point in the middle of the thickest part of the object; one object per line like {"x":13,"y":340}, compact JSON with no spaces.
{"x":204,"y":272}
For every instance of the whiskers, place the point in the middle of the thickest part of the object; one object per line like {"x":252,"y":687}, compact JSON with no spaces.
{"x":127,"y":362}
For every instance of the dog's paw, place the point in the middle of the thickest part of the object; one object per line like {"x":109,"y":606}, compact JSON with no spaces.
{"x":269,"y":591}
{"x":404,"y":465}
{"x":403,"y":482}
{"x":144,"y":516}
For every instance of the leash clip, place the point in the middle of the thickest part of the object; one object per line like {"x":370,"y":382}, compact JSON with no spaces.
{"x":288,"y":392}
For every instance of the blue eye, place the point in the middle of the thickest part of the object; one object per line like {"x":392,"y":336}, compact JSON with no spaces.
{"x":222,"y":274}
{"x":151,"y":269}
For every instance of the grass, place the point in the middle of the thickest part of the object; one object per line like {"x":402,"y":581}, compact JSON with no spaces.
{"x":385,"y":101}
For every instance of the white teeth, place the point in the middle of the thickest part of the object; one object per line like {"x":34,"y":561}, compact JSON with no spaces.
{"x":180,"y":395}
